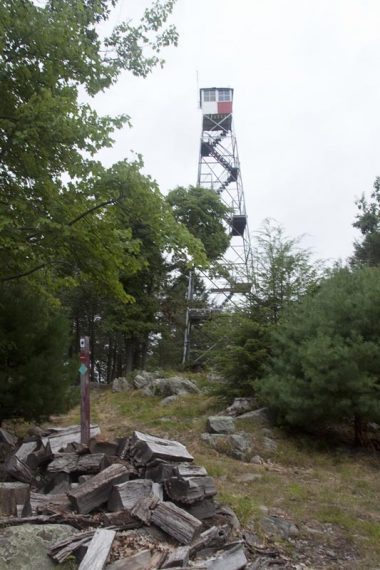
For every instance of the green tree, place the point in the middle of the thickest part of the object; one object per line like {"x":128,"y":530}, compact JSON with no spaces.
{"x":53,"y":196}
{"x":204,"y":214}
{"x":326,"y":361}
{"x":240,"y":350}
{"x":283,"y":271}
{"x":367,"y":250}
{"x":35,"y":371}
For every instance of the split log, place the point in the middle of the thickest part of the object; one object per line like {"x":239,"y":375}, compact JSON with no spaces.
{"x":44,"y":504}
{"x":122,"y":520}
{"x":143,"y":509}
{"x":97,"y":490}
{"x":71,"y":462}
{"x":106,"y":447}
{"x":140,"y":561}
{"x":98,"y":550}
{"x":64,"y":548}
{"x":203,"y":509}
{"x":125,"y":495}
{"x":233,"y":558}
{"x":145,"y":448}
{"x":122,"y":449}
{"x":9,"y":438}
{"x":58,"y":483}
{"x":14,"y":497}
{"x":59,"y":438}
{"x":188,"y":490}
{"x":216,"y":535}
{"x":18,"y":470}
{"x":65,"y":463}
{"x":5,"y":451}
{"x":176,"y":522}
{"x":159,"y":470}
{"x":177,"y":558}
{"x":189,"y":470}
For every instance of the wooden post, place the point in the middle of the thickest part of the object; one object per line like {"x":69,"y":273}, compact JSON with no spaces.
{"x":84,"y":389}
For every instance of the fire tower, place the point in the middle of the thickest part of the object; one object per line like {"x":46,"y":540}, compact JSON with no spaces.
{"x":219,"y":170}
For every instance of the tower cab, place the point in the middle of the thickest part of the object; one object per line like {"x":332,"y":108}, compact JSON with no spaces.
{"x":216,"y":106}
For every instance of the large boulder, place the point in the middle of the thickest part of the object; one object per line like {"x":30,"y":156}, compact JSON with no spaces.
{"x":220,"y":424}
{"x":121,"y":385}
{"x":144,"y":380}
{"x":240,"y":406}
{"x":262,"y":415}
{"x":25,"y":547}
{"x":175,"y":386}
{"x":236,"y":445}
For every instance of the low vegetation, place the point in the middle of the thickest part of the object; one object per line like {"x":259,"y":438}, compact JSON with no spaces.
{"x":329,"y":490}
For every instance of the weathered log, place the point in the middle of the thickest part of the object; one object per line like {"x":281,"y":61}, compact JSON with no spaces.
{"x":140,"y":561}
{"x":25,"y":453}
{"x":71,"y":462}
{"x":44,"y":504}
{"x":145,"y":448}
{"x":57,"y":483}
{"x":216,"y":535}
{"x":122,"y":520}
{"x":188,"y":490}
{"x":98,"y":550}
{"x":18,"y":469}
{"x":125,"y":495}
{"x":189,"y":470}
{"x":233,"y":557}
{"x":122,"y":449}
{"x":14,"y":497}
{"x":9,"y":438}
{"x":201,"y":510}
{"x":179,"y":557}
{"x":142,"y":510}
{"x":159,"y":470}
{"x":59,"y":438}
{"x":65,"y":463}
{"x":176,"y":522}
{"x":106,"y":447}
{"x":40,"y":456}
{"x":97,"y":490}
{"x":64,"y":548}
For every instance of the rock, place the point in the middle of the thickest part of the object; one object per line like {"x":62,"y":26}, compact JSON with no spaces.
{"x":265,"y":563}
{"x":230,"y":517}
{"x":278,"y":527}
{"x":25,"y":547}
{"x":257,"y":460}
{"x":239,"y":406}
{"x":237,"y":445}
{"x":143,"y":380}
{"x":269,"y":444}
{"x":262,"y":415}
{"x":168,"y":400}
{"x":220,"y":424}
{"x":241,"y":444}
{"x":121,"y":385}
{"x":175,"y":386}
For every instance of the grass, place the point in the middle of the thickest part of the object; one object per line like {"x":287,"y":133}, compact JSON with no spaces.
{"x":332,"y":494}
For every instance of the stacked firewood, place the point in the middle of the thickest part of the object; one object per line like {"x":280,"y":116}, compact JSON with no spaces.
{"x":107,"y":489}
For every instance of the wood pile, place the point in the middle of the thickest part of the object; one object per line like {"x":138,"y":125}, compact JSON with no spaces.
{"x":120,"y":496}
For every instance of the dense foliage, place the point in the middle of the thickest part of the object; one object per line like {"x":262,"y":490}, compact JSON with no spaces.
{"x":367,"y":250}
{"x":35,"y":371}
{"x":85,"y":241}
{"x":326,"y":361}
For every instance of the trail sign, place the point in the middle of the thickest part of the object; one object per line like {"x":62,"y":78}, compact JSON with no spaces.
{"x":84,"y":389}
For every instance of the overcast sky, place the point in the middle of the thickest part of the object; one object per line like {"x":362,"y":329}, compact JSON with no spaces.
{"x":306,"y":76}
